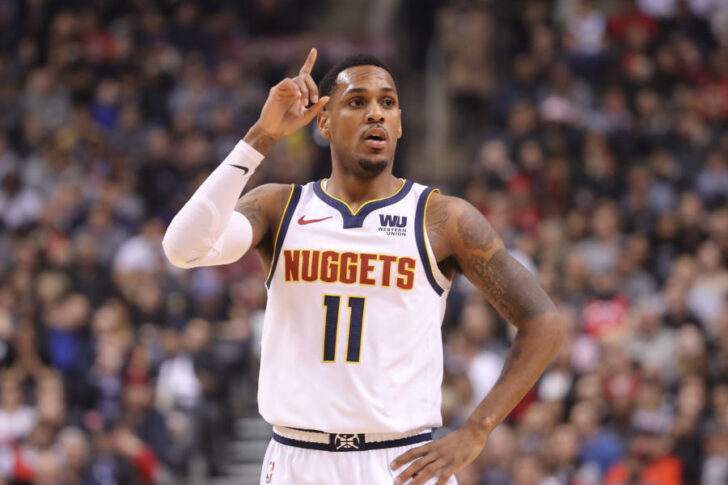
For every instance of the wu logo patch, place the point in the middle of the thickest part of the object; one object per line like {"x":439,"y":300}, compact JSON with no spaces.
{"x":393,"y":225}
{"x":269,"y":475}
{"x":387,"y":220}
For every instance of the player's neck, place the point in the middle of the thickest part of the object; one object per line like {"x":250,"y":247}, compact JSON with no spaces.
{"x":356,"y":191}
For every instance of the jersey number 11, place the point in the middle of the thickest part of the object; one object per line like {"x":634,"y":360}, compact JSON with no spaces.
{"x":356,"y":321}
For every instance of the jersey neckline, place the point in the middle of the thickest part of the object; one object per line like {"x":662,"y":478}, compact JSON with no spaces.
{"x":356,"y":218}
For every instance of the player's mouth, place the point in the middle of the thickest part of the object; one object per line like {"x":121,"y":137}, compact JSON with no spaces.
{"x":375,"y":137}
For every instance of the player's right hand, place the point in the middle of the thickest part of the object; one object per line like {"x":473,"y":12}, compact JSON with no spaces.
{"x":285,"y":110}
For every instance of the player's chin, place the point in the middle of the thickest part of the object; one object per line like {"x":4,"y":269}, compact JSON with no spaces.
{"x":373,"y":166}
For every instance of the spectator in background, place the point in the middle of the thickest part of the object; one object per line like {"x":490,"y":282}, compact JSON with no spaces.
{"x":601,"y":250}
{"x":498,"y":455}
{"x":712,"y":181}
{"x":598,"y":446}
{"x":19,"y":205}
{"x":16,"y":418}
{"x":715,"y":467}
{"x":584,"y":38}
{"x":75,"y":453}
{"x":177,"y":383}
{"x":485,"y":358}
{"x":646,"y":460}
{"x":709,"y":287}
{"x":650,"y":344}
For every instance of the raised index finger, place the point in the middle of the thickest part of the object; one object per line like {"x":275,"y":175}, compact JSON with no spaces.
{"x":308,"y":65}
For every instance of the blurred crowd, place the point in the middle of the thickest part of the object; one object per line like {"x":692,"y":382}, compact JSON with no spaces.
{"x":596,"y":142}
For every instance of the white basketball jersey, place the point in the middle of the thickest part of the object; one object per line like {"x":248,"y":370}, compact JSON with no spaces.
{"x":351,"y":339}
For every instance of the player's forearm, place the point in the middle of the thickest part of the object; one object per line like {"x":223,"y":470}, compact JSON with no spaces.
{"x":536,"y":343}
{"x":205,"y":232}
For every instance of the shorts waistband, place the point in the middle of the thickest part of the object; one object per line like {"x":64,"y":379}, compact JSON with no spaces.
{"x":319,"y":440}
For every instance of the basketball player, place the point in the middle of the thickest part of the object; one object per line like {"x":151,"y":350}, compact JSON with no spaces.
{"x":359,"y":267}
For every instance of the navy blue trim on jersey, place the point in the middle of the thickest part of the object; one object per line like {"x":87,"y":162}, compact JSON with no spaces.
{"x":420,"y":239}
{"x":283,"y":229}
{"x":356,"y":219}
{"x":352,"y":442}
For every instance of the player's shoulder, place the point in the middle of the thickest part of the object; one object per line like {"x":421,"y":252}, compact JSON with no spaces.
{"x":271,"y":191}
{"x":264,"y":205}
{"x":449,"y":205}
{"x":443,"y":221}
{"x":456,"y":224}
{"x":271,"y":198}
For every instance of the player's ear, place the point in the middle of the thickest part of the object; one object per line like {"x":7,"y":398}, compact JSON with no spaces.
{"x":399,"y":125}
{"x":322,"y":121}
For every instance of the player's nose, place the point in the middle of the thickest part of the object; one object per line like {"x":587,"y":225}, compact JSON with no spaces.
{"x":375,"y":113}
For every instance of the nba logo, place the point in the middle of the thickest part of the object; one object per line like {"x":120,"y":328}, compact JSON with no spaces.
{"x":269,"y":475}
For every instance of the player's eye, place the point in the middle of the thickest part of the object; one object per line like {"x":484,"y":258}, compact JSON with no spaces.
{"x":356,"y":102}
{"x":388,"y":102}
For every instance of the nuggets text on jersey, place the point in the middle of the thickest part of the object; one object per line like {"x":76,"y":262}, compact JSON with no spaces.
{"x":349,"y":268}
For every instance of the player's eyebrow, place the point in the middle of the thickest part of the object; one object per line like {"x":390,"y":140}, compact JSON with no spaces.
{"x":365,"y":90}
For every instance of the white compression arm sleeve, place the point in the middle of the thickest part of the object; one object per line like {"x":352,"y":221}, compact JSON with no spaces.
{"x":207,"y":230}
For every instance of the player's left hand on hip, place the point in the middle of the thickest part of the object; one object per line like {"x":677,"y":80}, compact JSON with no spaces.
{"x":439,"y":459}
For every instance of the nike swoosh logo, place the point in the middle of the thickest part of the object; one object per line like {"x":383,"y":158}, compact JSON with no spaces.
{"x":244,"y":169}
{"x":303,"y":222}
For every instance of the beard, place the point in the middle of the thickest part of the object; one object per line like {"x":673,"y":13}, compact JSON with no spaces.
{"x":372,"y":168}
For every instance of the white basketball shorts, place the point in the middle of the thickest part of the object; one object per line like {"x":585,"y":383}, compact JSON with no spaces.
{"x":298,"y":457}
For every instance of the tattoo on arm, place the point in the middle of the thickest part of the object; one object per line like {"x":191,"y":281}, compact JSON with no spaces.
{"x":263,"y":207}
{"x":260,"y":140}
{"x":437,"y":219}
{"x":510,"y":288}
{"x":250,"y":207}
{"x":474,"y":230}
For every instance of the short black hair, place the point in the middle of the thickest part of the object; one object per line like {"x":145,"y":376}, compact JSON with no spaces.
{"x":327,"y":85}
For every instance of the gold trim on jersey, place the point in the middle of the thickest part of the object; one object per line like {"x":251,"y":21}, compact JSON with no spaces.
{"x":428,"y":248}
{"x":278,"y":233}
{"x":353,"y":213}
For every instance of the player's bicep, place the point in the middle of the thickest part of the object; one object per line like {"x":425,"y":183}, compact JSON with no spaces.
{"x":483,"y":259}
{"x":263,"y":207}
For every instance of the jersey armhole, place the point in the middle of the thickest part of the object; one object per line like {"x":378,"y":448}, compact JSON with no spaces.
{"x":438,"y":281}
{"x":285,"y":221}
{"x":443,"y":281}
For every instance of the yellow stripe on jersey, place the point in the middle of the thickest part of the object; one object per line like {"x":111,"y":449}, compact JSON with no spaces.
{"x":353,"y":213}
{"x":278,"y":231}
{"x":425,"y":238}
